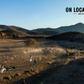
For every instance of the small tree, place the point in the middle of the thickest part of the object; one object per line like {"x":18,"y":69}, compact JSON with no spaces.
{"x":31,"y":43}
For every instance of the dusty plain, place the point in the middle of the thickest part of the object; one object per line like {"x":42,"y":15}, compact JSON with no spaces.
{"x":13,"y":53}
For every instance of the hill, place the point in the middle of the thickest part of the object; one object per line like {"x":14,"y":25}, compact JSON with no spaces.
{"x":13,"y":30}
{"x":24,"y":32}
{"x":79,"y":27}
{"x":71,"y":36}
{"x":44,"y":32}
{"x":21,"y":32}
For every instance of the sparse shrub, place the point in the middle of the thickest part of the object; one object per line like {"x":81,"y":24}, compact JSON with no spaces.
{"x":31,"y":43}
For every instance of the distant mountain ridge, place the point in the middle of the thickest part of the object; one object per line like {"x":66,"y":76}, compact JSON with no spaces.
{"x":79,"y":27}
{"x":44,"y":32}
{"x":47,"y":29}
{"x":24,"y":32}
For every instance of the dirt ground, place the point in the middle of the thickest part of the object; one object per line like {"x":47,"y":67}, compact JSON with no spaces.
{"x":73,"y":73}
{"x":13,"y":53}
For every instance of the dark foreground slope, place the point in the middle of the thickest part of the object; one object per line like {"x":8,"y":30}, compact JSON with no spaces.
{"x":71,"y":36}
{"x":73,"y":73}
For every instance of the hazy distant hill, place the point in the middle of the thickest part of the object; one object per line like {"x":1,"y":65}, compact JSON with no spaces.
{"x":79,"y":27}
{"x":48,"y":29}
{"x":45,"y":32}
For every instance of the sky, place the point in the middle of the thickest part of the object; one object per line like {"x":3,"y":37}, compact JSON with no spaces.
{"x":32,"y":14}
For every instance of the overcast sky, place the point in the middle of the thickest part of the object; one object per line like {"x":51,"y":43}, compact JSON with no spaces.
{"x":32,"y":14}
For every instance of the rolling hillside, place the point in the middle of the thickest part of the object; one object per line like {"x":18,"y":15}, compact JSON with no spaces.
{"x":13,"y":30}
{"x":70,"y":36}
{"x":79,"y":27}
{"x":45,"y":32}
{"x":22,"y":32}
